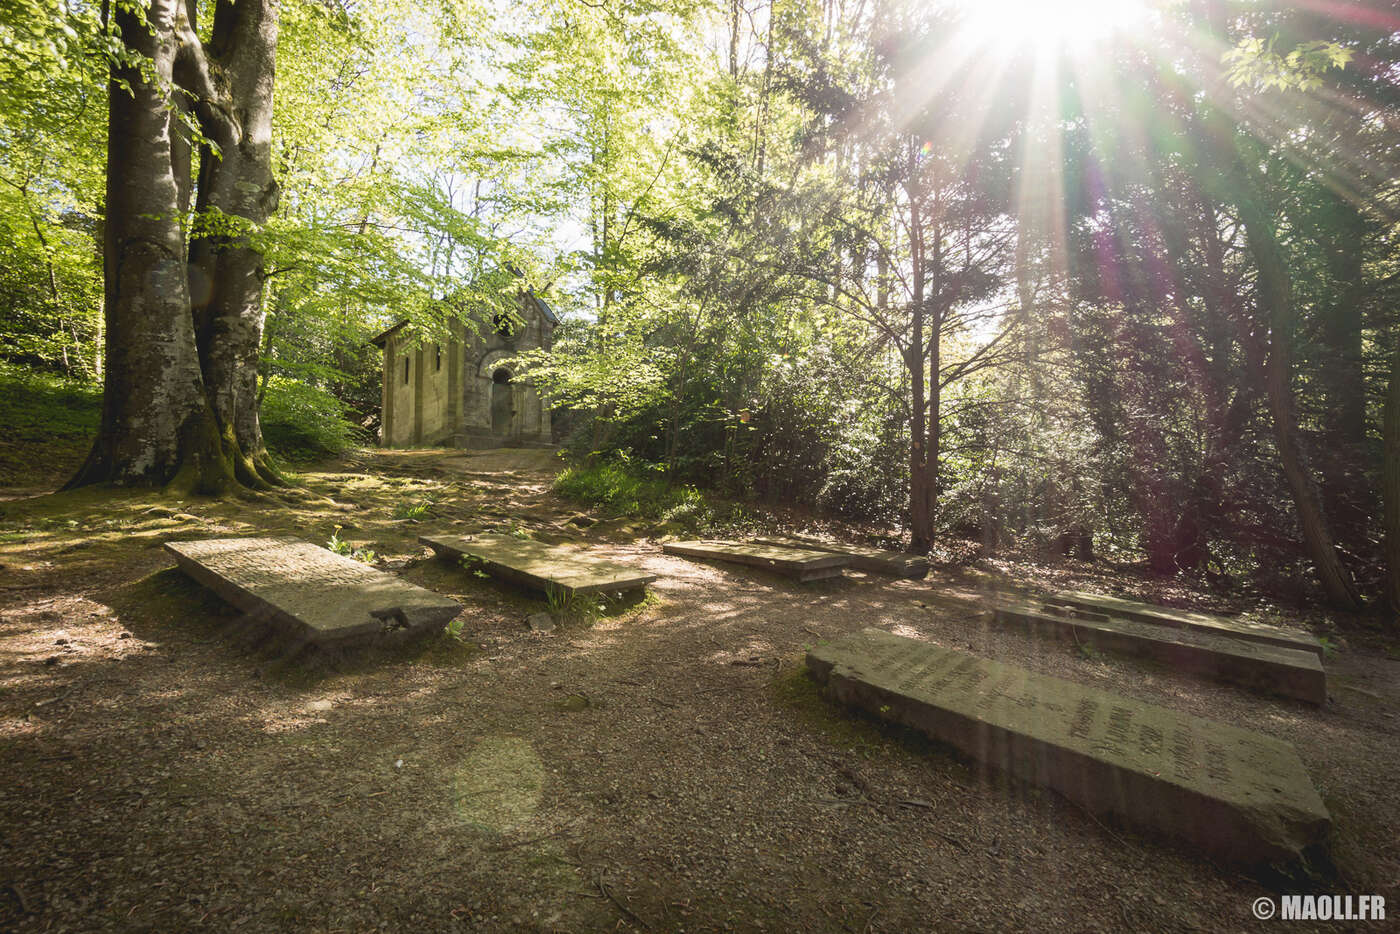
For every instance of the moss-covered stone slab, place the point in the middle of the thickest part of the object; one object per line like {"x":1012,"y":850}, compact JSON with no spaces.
{"x":1262,"y":633}
{"x":1267,"y":668}
{"x":310,"y":593}
{"x":1238,"y":794}
{"x":801,"y":564}
{"x":538,"y":566}
{"x":874,"y":560}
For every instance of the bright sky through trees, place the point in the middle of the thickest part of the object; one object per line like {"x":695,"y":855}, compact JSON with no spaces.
{"x":1052,"y":24}
{"x":1005,"y":245}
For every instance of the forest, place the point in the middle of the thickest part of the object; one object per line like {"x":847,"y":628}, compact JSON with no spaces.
{"x":1101,"y":294}
{"x":1114,"y":281}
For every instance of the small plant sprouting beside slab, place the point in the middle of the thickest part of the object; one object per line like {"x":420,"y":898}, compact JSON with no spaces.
{"x":567,"y":605}
{"x":342,"y":547}
{"x":413,"y":511}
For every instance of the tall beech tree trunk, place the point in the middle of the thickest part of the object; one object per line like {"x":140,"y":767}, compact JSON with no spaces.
{"x":235,"y":183}
{"x":183,"y":332}
{"x":157,"y":425}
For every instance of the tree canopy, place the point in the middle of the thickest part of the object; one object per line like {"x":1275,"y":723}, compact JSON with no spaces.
{"x":1116,"y":280}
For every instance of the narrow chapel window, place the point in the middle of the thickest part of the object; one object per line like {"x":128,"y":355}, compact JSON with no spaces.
{"x":439,"y":356}
{"x":405,"y":369}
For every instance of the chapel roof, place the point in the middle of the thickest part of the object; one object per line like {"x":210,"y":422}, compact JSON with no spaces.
{"x":380,"y":339}
{"x":543,"y":306}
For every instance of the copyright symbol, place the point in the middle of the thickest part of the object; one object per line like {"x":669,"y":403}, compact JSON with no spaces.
{"x":1263,"y":908}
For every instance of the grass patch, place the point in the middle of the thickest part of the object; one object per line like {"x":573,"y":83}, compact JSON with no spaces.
{"x":564,"y":604}
{"x":617,"y":491}
{"x":631,"y":605}
{"x":1088,"y":651}
{"x":49,"y":422}
{"x":588,"y":609}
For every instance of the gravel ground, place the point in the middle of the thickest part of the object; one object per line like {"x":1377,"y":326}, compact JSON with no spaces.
{"x":666,"y":767}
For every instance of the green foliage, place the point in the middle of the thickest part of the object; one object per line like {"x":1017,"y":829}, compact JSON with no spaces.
{"x":1255,"y":62}
{"x":413,"y":511}
{"x":618,"y":489}
{"x":732,"y":243}
{"x":302,"y":422}
{"x":615,"y":380}
{"x":341,"y":547}
{"x":45,"y":420}
{"x":568,"y":605}
{"x":52,"y":129}
{"x":337,"y":544}
{"x":1088,"y":651}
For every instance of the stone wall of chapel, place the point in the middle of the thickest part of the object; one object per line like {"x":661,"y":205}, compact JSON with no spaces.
{"x":402,"y":371}
{"x":435,"y":392}
{"x":434,"y":427}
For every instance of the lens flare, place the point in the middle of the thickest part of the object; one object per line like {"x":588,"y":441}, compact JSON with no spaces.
{"x":1055,"y":24}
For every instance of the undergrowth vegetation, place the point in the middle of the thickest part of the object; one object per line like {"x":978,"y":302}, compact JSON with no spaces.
{"x":627,"y":489}
{"x":301,"y":422}
{"x":621,"y":490}
{"x":47,"y":421}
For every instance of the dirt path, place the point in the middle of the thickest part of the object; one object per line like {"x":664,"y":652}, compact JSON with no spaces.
{"x":666,"y":768}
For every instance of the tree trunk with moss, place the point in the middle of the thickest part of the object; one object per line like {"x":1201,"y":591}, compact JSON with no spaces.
{"x":236,"y":192}
{"x":184,"y":322}
{"x":157,"y":425}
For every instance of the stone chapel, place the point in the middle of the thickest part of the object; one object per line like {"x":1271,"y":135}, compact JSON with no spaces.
{"x":462,"y":393}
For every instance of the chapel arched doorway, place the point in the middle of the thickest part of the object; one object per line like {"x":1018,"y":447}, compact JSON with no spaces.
{"x":502,"y":403}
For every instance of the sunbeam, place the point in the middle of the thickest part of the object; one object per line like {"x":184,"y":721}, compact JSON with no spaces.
{"x":1055,"y":25}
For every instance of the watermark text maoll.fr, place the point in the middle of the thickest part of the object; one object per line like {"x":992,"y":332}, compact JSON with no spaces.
{"x":1320,"y":908}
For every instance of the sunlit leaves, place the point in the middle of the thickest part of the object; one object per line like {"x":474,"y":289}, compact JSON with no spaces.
{"x":52,"y":121}
{"x":1256,"y":63}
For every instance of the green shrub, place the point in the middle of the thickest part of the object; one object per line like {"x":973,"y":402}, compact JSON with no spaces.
{"x":617,"y":490}
{"x":51,"y":421}
{"x":48,"y":421}
{"x":301,"y":422}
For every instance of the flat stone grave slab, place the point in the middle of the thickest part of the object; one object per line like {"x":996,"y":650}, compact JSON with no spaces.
{"x":1262,"y":633}
{"x":1236,"y":793}
{"x":539,"y":566}
{"x":802,"y":564}
{"x":1268,"y":668}
{"x":863,"y":558}
{"x":309,"y":592}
